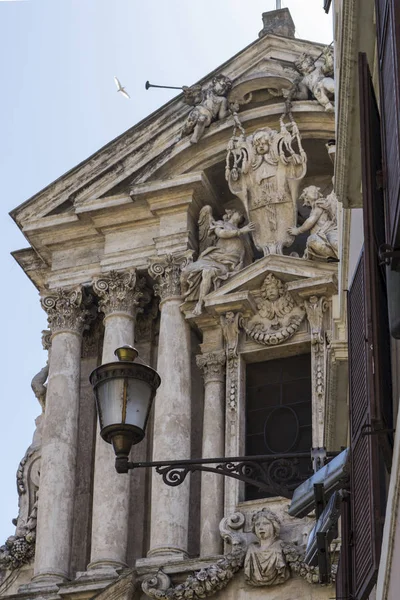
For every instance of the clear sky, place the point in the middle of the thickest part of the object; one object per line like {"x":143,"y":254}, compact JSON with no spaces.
{"x":59,"y":104}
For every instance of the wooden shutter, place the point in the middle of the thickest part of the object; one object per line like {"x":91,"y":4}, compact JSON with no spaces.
{"x":379,"y":372}
{"x":369,"y":361}
{"x":344,"y":572}
{"x":388,"y":33}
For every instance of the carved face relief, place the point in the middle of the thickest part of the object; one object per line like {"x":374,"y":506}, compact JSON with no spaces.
{"x":278,"y":318}
{"x":264,"y":529}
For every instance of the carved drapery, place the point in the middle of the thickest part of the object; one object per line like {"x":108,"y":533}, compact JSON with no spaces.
{"x":119,"y":291}
{"x":212,"y":365}
{"x":315,"y":307}
{"x":166,"y":270}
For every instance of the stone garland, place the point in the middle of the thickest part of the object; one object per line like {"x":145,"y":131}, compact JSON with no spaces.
{"x":20,"y":549}
{"x":202,"y":584}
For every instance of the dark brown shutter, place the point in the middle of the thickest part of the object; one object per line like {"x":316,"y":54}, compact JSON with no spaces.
{"x":344,"y":572}
{"x":388,"y":33}
{"x":379,"y":371}
{"x":369,"y":361}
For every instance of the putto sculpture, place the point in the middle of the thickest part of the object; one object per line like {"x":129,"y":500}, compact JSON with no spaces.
{"x":278,"y":317}
{"x":210,"y":104}
{"x":222,"y":254}
{"x":322,"y":243}
{"x":265,"y":563}
{"x":264,"y":170}
{"x":315,"y":79}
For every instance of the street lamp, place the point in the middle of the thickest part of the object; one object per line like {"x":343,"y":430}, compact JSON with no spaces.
{"x":124,"y":392}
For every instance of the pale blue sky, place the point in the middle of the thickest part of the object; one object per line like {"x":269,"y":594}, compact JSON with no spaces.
{"x":59,"y":104}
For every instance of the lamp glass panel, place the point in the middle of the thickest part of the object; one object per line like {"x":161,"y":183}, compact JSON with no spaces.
{"x":110,"y":394}
{"x":139,"y":396}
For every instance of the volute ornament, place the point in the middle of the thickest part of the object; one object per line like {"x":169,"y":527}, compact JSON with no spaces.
{"x":118,"y":291}
{"x":166,"y":270}
{"x":264,"y":171}
{"x":66,"y":310}
{"x":278,"y":317}
{"x":213,"y":365}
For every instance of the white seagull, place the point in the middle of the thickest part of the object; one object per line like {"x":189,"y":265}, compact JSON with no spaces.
{"x":120,"y":88}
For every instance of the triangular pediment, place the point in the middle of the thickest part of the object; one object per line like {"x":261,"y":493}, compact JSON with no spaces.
{"x":152,"y":146}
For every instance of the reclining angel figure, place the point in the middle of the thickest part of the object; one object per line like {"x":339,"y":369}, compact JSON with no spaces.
{"x":222,"y":254}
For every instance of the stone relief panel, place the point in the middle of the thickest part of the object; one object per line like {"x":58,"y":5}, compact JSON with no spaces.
{"x":264,"y":171}
{"x":278,"y":317}
{"x":209,"y":103}
{"x":222,"y":255}
{"x":267,"y":560}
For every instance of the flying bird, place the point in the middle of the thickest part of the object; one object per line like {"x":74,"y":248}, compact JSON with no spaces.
{"x":120,"y":88}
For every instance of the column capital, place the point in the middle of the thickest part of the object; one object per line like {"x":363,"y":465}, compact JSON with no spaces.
{"x":166,"y":270}
{"x":66,"y":310}
{"x":213,"y":365}
{"x":118,"y":291}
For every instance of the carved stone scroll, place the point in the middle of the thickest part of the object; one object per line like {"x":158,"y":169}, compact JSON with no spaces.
{"x":66,"y":310}
{"x":118,"y":291}
{"x":278,"y":317}
{"x":166,"y":270}
{"x":213,"y":365}
{"x":316,"y":307}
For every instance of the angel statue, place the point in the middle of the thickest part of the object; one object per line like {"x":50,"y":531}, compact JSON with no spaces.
{"x":264,"y":171}
{"x":317,"y":79}
{"x":222,"y":254}
{"x":322,"y":243}
{"x":210,"y":104}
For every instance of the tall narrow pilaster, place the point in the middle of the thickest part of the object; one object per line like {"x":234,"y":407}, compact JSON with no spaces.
{"x":212,"y":486}
{"x":170,"y":505}
{"x":119,"y":294}
{"x":66,"y":315}
{"x":315,"y":307}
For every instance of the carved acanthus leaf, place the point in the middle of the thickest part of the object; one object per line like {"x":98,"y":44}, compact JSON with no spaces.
{"x":66,"y":310}
{"x":166,"y":270}
{"x":213,"y":365}
{"x":119,"y":291}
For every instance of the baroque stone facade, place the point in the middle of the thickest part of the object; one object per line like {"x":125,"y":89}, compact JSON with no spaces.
{"x":214,"y":250}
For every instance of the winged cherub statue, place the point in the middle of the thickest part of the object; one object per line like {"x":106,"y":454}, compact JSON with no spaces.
{"x":316,"y":79}
{"x":222,"y":254}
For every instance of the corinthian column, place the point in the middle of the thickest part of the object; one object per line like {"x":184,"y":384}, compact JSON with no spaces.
{"x":212,"y":486}
{"x":119,"y":296}
{"x":170,"y":505}
{"x":66,"y":316}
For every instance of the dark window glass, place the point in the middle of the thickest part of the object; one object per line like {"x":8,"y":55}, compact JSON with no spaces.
{"x":278,"y":411}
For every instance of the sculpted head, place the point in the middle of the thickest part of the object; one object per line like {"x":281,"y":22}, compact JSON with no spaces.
{"x":310,"y":195}
{"x":265,"y":525}
{"x":272,"y":288}
{"x":233,"y":216}
{"x":221,"y":85}
{"x":262,"y":141}
{"x":305,"y":64}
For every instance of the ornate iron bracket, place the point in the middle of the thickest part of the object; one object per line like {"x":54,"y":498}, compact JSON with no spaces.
{"x":276,"y":474}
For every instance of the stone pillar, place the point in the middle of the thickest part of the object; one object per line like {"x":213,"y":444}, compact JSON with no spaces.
{"x":315,"y":307}
{"x":212,"y":485}
{"x":66,"y":316}
{"x":171,"y":438}
{"x":119,"y":296}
